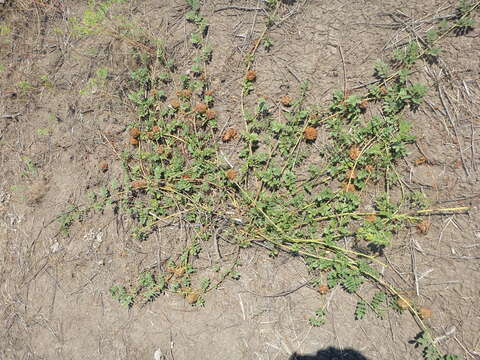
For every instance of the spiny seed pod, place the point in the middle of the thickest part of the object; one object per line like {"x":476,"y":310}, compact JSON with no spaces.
{"x":179,"y":271}
{"x":424,"y":313}
{"x":348,"y":187}
{"x":351,"y":174}
{"x":175,"y":104}
{"x":423,"y":226}
{"x":134,"y":141}
{"x":323,"y":289}
{"x":403,"y":303}
{"x":229,"y":134}
{"x":310,"y":133}
{"x":354,"y":152}
{"x":200,"y":108}
{"x":160,"y":149}
{"x":369,"y":168}
{"x":251,"y":75}
{"x":363,"y":105}
{"x":192,"y":298}
{"x":135,"y":133}
{"x":103,"y":165}
{"x":421,"y":160}
{"x":186,"y":93}
{"x":156,"y":128}
{"x":371,"y":218}
{"x":231,"y":174}
{"x":139,"y":184}
{"x":209,"y":92}
{"x":286,"y":100}
{"x":210,"y":114}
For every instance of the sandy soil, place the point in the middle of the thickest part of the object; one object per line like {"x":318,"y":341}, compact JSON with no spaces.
{"x":57,"y":126}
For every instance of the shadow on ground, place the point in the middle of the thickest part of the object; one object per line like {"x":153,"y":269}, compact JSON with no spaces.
{"x":331,"y":353}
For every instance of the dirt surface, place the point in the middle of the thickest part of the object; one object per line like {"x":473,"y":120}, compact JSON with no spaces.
{"x":57,"y":126}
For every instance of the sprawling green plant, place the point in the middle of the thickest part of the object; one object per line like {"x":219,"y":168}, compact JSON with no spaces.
{"x":288,"y":194}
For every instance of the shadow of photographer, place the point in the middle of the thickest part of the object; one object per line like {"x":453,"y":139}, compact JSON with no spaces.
{"x":330,"y":353}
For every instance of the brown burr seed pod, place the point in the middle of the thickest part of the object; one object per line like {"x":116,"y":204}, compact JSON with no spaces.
{"x":363,"y":105}
{"x":286,"y":100}
{"x":192,"y":297}
{"x":139,"y":184}
{"x":179,"y":271}
{"x":421,"y":160}
{"x":424,"y":313}
{"x":369,"y":168}
{"x":229,"y":134}
{"x":231,"y":174}
{"x":423,"y":226}
{"x":251,"y":75}
{"x":310,"y":133}
{"x":354,"y":152}
{"x":371,"y":218}
{"x":348,"y":187}
{"x":135,"y":132}
{"x":323,"y":289}
{"x":184,"y":93}
{"x":200,"y":108}
{"x":210,"y":114}
{"x":134,"y":141}
{"x":351,"y":174}
{"x":404,"y":303}
{"x":209,"y":92}
{"x":175,"y":103}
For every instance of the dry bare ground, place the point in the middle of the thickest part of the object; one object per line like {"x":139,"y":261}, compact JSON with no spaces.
{"x":57,"y":127}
